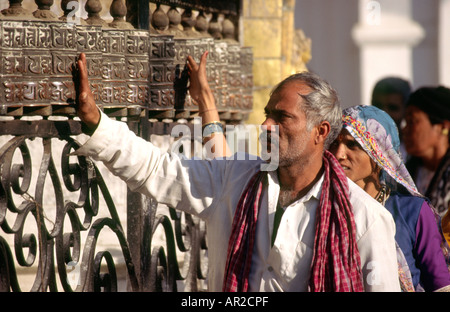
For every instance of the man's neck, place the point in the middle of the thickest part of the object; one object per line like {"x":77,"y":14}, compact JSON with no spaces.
{"x":297,"y":181}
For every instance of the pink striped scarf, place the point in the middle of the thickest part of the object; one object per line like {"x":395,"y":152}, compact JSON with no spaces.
{"x":336,"y":265}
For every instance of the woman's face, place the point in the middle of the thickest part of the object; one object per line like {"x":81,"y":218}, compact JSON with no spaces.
{"x":357,"y":164}
{"x":419,"y":135}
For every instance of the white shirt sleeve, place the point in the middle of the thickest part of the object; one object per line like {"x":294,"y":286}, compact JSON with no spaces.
{"x":186,"y":184}
{"x":378,"y":257}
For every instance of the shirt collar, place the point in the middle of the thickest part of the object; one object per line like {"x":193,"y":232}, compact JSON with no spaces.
{"x":314,"y":192}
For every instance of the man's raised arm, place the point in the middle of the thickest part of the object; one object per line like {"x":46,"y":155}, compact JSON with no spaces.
{"x":144,"y":167}
{"x":200,"y":91}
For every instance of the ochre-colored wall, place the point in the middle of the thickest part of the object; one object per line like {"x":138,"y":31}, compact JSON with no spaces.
{"x":278,"y":49}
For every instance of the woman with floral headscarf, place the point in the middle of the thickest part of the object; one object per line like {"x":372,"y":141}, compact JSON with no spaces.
{"x":368,"y":150}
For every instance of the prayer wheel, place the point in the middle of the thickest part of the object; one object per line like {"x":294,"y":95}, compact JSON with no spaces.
{"x":138,"y":72}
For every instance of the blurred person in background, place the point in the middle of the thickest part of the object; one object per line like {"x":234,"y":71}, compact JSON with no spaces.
{"x":391,"y":94}
{"x":426,"y":138}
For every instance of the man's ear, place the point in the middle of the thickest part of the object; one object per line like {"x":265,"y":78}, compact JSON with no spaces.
{"x":322,"y":131}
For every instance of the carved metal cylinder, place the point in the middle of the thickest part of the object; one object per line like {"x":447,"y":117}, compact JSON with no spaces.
{"x":89,"y":41}
{"x":234,"y":98}
{"x":162,"y":73}
{"x":127,"y":68}
{"x":219,"y":74}
{"x":137,"y":45}
{"x":183,"y":47}
{"x":113,"y":94}
{"x":63,"y":54}
{"x":26,"y":66}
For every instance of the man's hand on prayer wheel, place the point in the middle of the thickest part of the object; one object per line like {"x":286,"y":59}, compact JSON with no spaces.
{"x":86,"y":108}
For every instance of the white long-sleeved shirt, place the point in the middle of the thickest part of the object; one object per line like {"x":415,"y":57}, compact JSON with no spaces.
{"x":210,"y":189}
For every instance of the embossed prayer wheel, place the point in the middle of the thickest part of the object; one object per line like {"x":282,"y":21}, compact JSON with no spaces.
{"x":137,"y":44}
{"x":131,"y":71}
{"x":209,"y":45}
{"x":90,"y":42}
{"x":12,"y":67}
{"x":234,"y":78}
{"x":219,"y":73}
{"x":161,"y":76}
{"x":113,"y":93}
{"x":37,"y":60}
{"x":63,"y":54}
{"x":183,"y":47}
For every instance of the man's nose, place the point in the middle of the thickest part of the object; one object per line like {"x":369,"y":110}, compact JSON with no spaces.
{"x":268,"y":122}
{"x":269,"y":126}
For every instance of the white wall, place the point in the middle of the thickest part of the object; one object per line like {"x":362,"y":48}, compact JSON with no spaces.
{"x":352,"y":47}
{"x":335,"y":56}
{"x":444,"y":42}
{"x":426,"y":63}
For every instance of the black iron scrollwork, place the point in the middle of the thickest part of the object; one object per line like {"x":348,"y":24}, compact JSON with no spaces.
{"x":58,"y":247}
{"x":53,"y":239}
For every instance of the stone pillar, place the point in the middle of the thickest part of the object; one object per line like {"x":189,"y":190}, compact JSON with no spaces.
{"x":262,"y":30}
{"x":268,"y":27}
{"x":386,"y":35}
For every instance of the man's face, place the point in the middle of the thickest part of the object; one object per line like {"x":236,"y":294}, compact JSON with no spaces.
{"x":284,"y":110}
{"x":420,"y":136}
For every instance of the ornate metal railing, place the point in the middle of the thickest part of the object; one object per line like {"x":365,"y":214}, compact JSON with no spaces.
{"x":55,"y":207}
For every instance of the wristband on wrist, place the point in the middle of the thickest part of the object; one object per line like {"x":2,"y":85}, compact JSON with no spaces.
{"x":212,"y":127}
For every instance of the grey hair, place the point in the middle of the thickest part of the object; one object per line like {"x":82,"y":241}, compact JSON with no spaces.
{"x":321,"y":104}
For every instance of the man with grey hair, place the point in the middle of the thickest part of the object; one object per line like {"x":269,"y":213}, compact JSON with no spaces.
{"x":301,"y":227}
